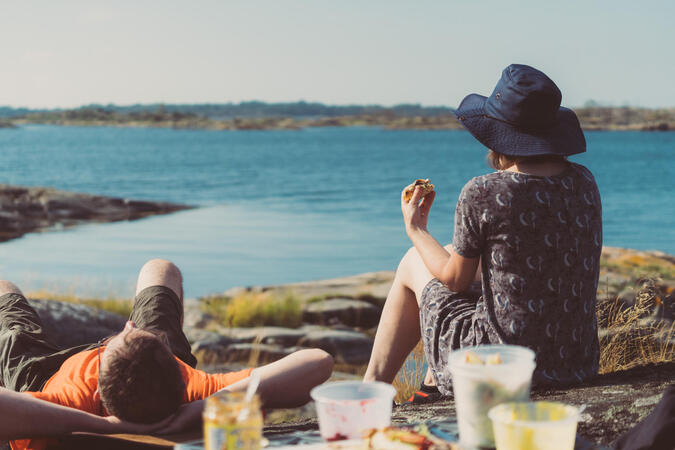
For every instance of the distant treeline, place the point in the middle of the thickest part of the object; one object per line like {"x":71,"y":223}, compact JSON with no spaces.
{"x":252,"y":109}
{"x":299,"y":115}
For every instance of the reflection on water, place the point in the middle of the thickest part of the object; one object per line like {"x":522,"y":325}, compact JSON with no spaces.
{"x":212,"y":246}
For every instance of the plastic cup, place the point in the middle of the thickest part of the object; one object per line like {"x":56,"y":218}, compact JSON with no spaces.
{"x":479,"y":387}
{"x":534,"y":426}
{"x":347,"y":408}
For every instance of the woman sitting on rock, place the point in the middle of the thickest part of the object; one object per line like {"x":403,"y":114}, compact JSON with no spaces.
{"x":531,"y":232}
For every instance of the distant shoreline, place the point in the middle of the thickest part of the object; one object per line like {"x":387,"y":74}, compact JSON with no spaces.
{"x":591,"y":119}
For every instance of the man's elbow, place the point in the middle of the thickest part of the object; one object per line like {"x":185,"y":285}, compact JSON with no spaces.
{"x":322,"y":363}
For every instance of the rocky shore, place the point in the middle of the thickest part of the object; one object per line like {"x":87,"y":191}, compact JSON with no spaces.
{"x":340,"y":316}
{"x":27,"y":209}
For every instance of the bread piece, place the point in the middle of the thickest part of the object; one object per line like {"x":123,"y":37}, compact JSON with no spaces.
{"x":423,"y":184}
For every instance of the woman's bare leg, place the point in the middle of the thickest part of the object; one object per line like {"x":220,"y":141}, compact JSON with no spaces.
{"x":286,"y":383}
{"x":399,"y":328}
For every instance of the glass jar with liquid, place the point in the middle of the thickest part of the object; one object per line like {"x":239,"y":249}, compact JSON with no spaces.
{"x":231,"y":422}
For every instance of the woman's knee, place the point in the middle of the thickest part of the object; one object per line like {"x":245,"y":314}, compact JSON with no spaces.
{"x":409,"y":260}
{"x":412,"y":273}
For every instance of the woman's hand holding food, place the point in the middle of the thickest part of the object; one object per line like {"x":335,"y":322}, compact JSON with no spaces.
{"x":416,"y":212}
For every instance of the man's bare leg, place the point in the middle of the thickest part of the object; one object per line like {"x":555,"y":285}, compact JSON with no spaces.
{"x":7,"y":287}
{"x":286,"y":383}
{"x":160,"y":272}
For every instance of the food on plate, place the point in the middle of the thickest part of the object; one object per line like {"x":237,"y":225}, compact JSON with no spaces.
{"x":424,"y":185}
{"x":405,"y":438}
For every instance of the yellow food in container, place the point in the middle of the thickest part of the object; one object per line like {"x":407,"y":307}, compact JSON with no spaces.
{"x":534,"y":426}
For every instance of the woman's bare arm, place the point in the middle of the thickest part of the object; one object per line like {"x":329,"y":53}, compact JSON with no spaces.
{"x":452,"y":269}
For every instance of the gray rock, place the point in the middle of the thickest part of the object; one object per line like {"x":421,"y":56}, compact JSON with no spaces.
{"x":204,"y":338}
{"x":70,"y":324}
{"x":257,"y":354}
{"x":27,"y":209}
{"x":208,"y":347}
{"x":194,"y":317}
{"x":627,"y":296}
{"x":347,"y":347}
{"x":264,"y":335}
{"x":350,"y":312}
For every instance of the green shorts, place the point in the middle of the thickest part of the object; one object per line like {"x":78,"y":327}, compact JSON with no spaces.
{"x":28,"y":358}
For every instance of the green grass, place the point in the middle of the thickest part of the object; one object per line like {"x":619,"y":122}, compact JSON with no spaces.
{"x":255,"y":309}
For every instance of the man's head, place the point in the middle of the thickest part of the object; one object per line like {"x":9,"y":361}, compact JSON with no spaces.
{"x":140,"y":380}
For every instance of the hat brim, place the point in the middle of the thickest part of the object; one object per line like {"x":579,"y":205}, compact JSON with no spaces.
{"x":564,"y":138}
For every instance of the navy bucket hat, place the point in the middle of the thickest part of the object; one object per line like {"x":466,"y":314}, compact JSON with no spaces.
{"x":523,"y":116}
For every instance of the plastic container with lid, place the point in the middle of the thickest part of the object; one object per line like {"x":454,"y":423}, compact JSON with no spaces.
{"x":534,"y":426}
{"x":230,"y":422}
{"x":347,"y":408}
{"x":479,"y":387}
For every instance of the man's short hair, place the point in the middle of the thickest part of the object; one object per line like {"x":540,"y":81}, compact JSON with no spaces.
{"x":141,"y":381}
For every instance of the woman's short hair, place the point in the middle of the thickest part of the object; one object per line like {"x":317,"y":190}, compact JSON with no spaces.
{"x":500,"y":161}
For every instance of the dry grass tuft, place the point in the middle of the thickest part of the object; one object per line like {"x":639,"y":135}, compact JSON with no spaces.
{"x":629,"y":337}
{"x":411,"y":375}
{"x":255,"y":309}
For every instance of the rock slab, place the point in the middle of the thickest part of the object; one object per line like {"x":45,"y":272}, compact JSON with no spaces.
{"x":345,"y":311}
{"x":27,"y":209}
{"x":69,"y":324}
{"x":612,"y":404}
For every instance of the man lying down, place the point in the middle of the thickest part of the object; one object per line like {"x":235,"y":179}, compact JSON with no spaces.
{"x":145,"y":374}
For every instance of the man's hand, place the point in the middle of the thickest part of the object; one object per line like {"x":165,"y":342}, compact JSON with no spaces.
{"x":188,"y":417}
{"x":114,"y":425}
{"x":416,"y":213}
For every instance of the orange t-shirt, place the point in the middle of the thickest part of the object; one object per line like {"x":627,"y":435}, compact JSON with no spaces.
{"x":76,"y":385}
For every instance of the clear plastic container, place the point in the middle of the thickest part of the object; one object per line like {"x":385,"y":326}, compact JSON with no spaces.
{"x":479,"y":387}
{"x":347,"y":408}
{"x":231,"y":422}
{"x":534,"y":426}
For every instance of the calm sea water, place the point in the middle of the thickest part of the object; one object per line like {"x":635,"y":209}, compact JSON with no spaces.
{"x":284,"y":206}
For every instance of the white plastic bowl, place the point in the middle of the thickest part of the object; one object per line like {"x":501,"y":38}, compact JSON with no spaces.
{"x":347,"y":408}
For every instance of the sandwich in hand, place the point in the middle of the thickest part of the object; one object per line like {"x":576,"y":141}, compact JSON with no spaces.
{"x":424,"y":185}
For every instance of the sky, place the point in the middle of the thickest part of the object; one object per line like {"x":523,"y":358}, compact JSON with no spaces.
{"x":434,"y":52}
